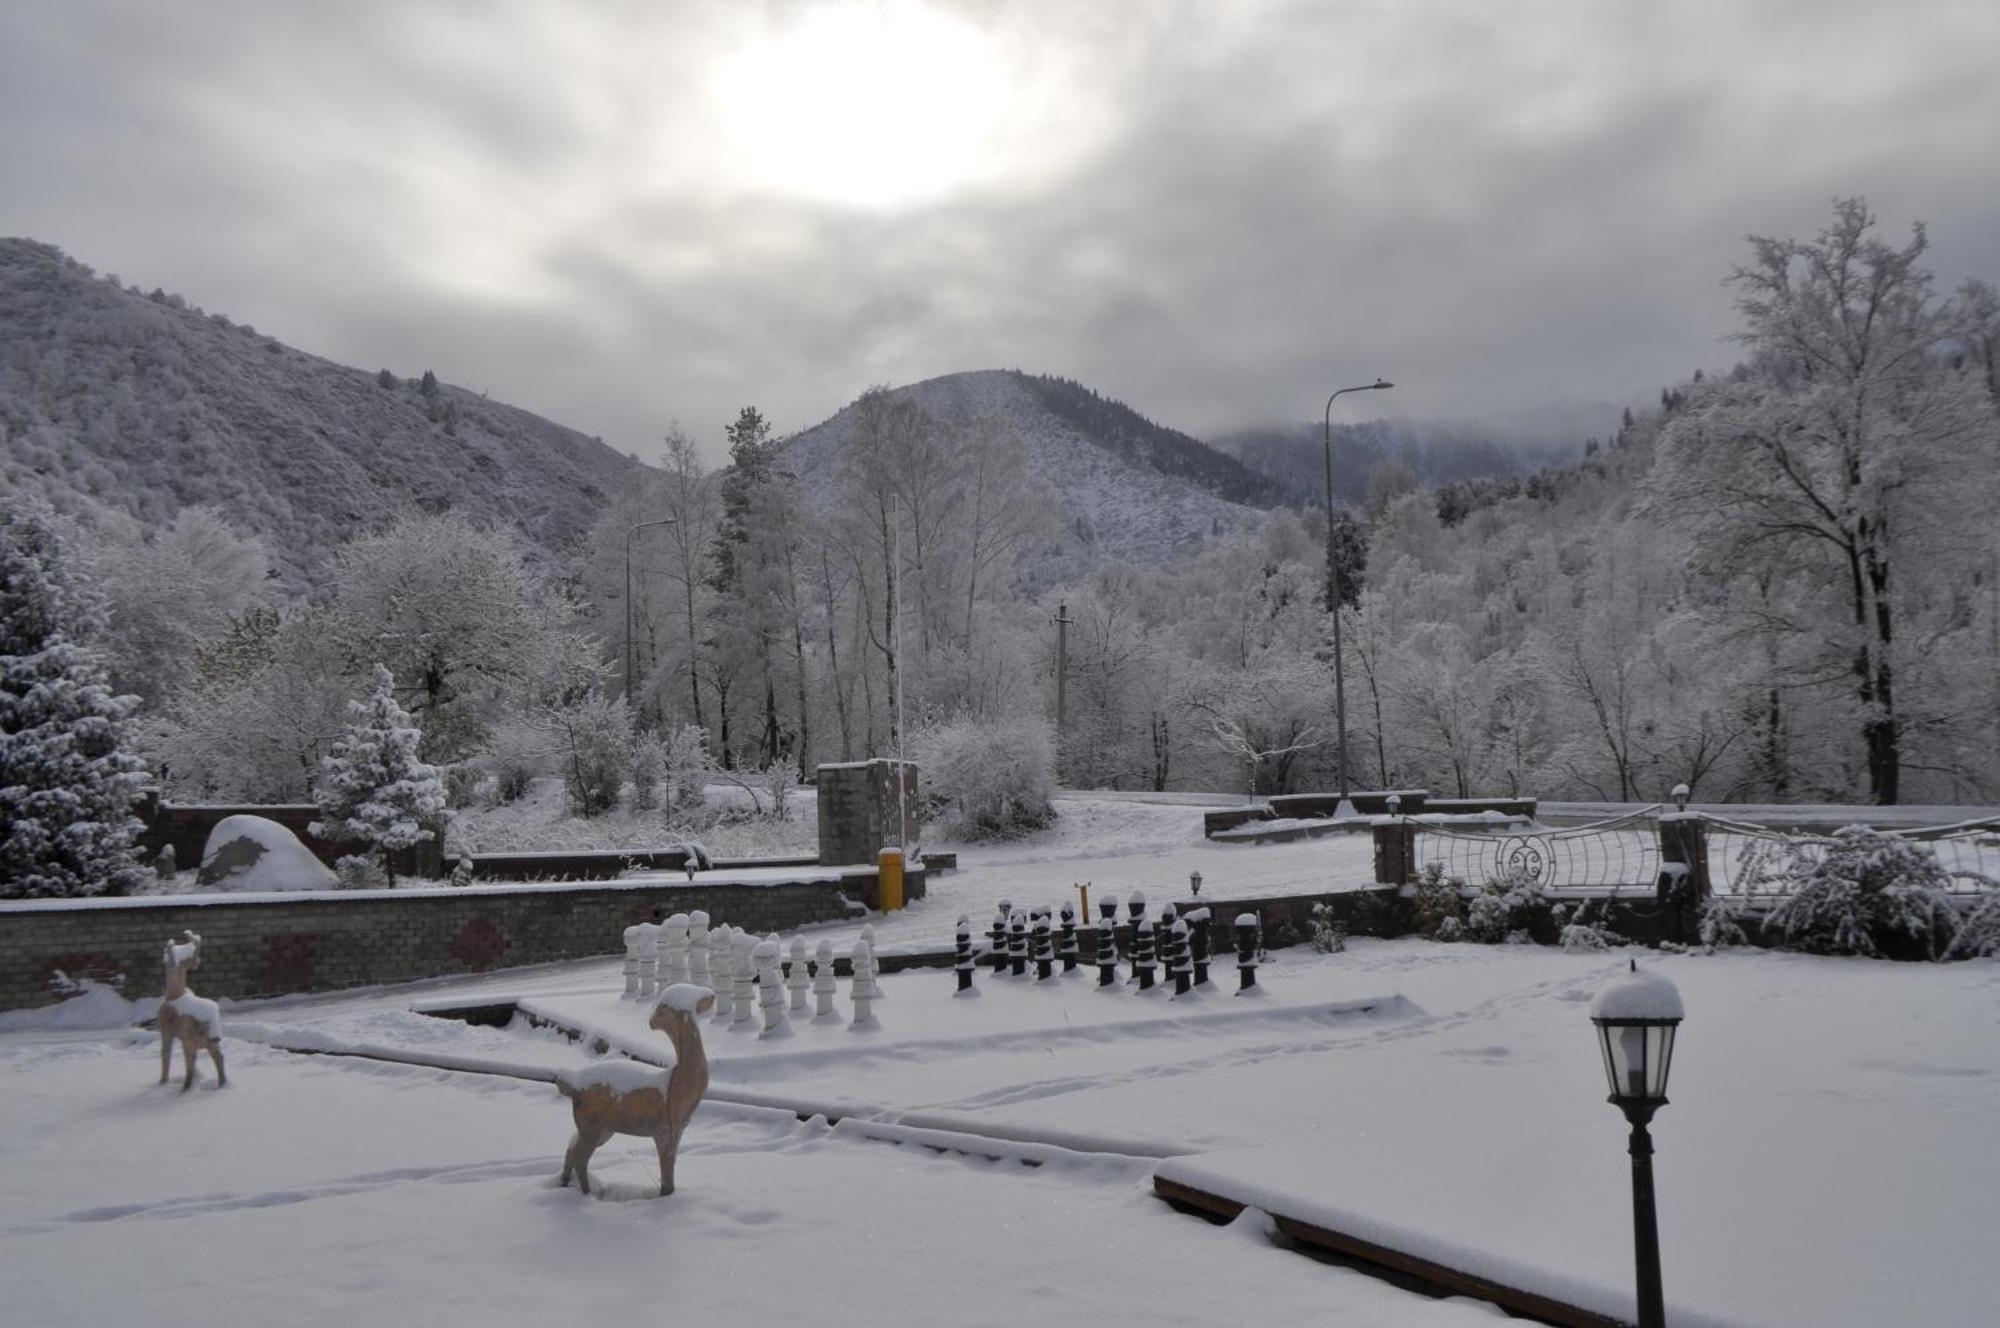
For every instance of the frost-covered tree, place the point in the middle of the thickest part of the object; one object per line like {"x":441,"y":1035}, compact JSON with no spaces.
{"x":1851,"y":450}
{"x":375,"y":789}
{"x":592,"y":742}
{"x":66,"y":784}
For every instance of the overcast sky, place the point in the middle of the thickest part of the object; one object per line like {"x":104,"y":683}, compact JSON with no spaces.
{"x":621,"y":216}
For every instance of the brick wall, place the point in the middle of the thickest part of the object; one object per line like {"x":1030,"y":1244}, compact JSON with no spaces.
{"x":267,"y":947}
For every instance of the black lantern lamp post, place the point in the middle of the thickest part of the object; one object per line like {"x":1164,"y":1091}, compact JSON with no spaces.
{"x":1636,"y":1018}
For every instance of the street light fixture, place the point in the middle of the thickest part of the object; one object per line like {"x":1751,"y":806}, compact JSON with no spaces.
{"x":663,"y":521}
{"x":1333,"y":577}
{"x":1636,"y":1019}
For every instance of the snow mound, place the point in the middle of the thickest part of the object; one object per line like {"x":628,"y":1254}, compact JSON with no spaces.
{"x":685,"y":997}
{"x":251,"y":853}
{"x":95,"y":1005}
{"x":1639,"y":995}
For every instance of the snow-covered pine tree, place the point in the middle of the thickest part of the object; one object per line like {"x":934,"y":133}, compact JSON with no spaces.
{"x":374,"y":789}
{"x":66,"y":785}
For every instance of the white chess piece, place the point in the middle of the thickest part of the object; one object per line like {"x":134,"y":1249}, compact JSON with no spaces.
{"x":825,"y":985}
{"x":722,"y":967}
{"x":698,"y":974}
{"x":631,"y":992}
{"x":875,"y":992}
{"x":744,"y":969}
{"x":771,"y":996}
{"x":649,"y":959}
{"x":798,"y":981}
{"x":674,"y":951}
{"x":862,"y":989}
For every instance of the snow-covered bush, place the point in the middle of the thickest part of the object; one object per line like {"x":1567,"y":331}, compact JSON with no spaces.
{"x":515,"y":758}
{"x":1502,"y":907}
{"x":1868,"y":888}
{"x":688,"y":768}
{"x":461,"y":783}
{"x":593,"y":748}
{"x":1979,"y":933}
{"x":991,"y":779}
{"x":1439,"y":901}
{"x":358,"y":871}
{"x":649,"y":770}
{"x":779,"y":781}
{"x":1721,"y":924}
{"x":66,"y":782}
{"x":1327,"y":935}
{"x":374,"y":790}
{"x":1585,"y":930}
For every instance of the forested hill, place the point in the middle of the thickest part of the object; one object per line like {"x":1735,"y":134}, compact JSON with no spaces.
{"x":1291,"y":458}
{"x":145,"y":404}
{"x":1123,"y":490}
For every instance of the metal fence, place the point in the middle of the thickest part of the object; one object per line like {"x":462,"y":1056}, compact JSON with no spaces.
{"x":1622,"y":853}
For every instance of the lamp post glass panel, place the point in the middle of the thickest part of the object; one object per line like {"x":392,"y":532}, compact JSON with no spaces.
{"x":1334,"y":585}
{"x":1636,"y":1019}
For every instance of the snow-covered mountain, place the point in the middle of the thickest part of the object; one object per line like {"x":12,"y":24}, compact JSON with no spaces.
{"x":142,"y":403}
{"x":1126,"y":490}
{"x":1436,"y":453}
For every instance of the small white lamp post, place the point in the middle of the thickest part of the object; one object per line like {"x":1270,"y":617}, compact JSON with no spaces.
{"x":1636,"y":1019}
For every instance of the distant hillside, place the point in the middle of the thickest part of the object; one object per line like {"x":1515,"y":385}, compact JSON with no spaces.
{"x":1293,"y":457}
{"x":1127,"y":490}
{"x":142,"y":403}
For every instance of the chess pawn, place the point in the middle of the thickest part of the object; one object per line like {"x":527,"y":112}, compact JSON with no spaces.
{"x":1247,"y":928}
{"x":962,"y":963}
{"x":631,"y":992}
{"x":649,"y":959}
{"x":1107,"y":942}
{"x":743,"y":968}
{"x":1017,"y":944}
{"x":674,"y":951}
{"x":721,"y":964}
{"x":862,"y":989}
{"x":1142,"y":954}
{"x":875,"y":992}
{"x":997,"y":934}
{"x":1197,"y":920}
{"x":825,"y":985}
{"x":798,"y":981}
{"x":1045,"y":956}
{"x":1177,"y":958}
{"x":770,"y":989}
{"x":698,"y":973}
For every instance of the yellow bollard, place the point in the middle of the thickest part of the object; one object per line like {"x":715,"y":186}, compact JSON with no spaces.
{"x":889,"y":875}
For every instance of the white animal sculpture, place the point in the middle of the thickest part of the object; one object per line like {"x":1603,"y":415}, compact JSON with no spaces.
{"x":185,"y":1017}
{"x":625,"y":1097}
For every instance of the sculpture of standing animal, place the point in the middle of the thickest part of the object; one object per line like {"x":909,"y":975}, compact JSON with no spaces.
{"x":626,"y":1097}
{"x":185,"y":1017}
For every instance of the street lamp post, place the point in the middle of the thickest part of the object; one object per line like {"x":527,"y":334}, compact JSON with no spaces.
{"x":663,"y":521}
{"x":1334,"y":579}
{"x":1636,"y":1019}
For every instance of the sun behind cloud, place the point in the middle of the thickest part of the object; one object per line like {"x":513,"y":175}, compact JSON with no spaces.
{"x":868,"y":105}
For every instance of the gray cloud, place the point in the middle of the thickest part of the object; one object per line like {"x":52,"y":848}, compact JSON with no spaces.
{"x":1215,"y":212}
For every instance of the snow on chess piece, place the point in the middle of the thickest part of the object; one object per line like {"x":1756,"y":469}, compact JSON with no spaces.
{"x":186,"y":1018}
{"x":1135,"y":909}
{"x":825,"y":985}
{"x":698,"y":975}
{"x":962,"y":963}
{"x":619,"y":1096}
{"x":770,"y":988}
{"x":742,"y":945}
{"x":674,"y":952}
{"x":1107,"y":943}
{"x":1197,"y":921}
{"x":1044,"y":950}
{"x":1066,"y":941}
{"x":1017,"y":943}
{"x":1247,"y":939}
{"x":797,"y":980}
{"x":998,"y":937}
{"x":862,"y":989}
{"x":631,"y":992}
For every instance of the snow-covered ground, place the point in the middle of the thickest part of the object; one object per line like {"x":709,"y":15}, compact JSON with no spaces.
{"x":1826,"y":1159}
